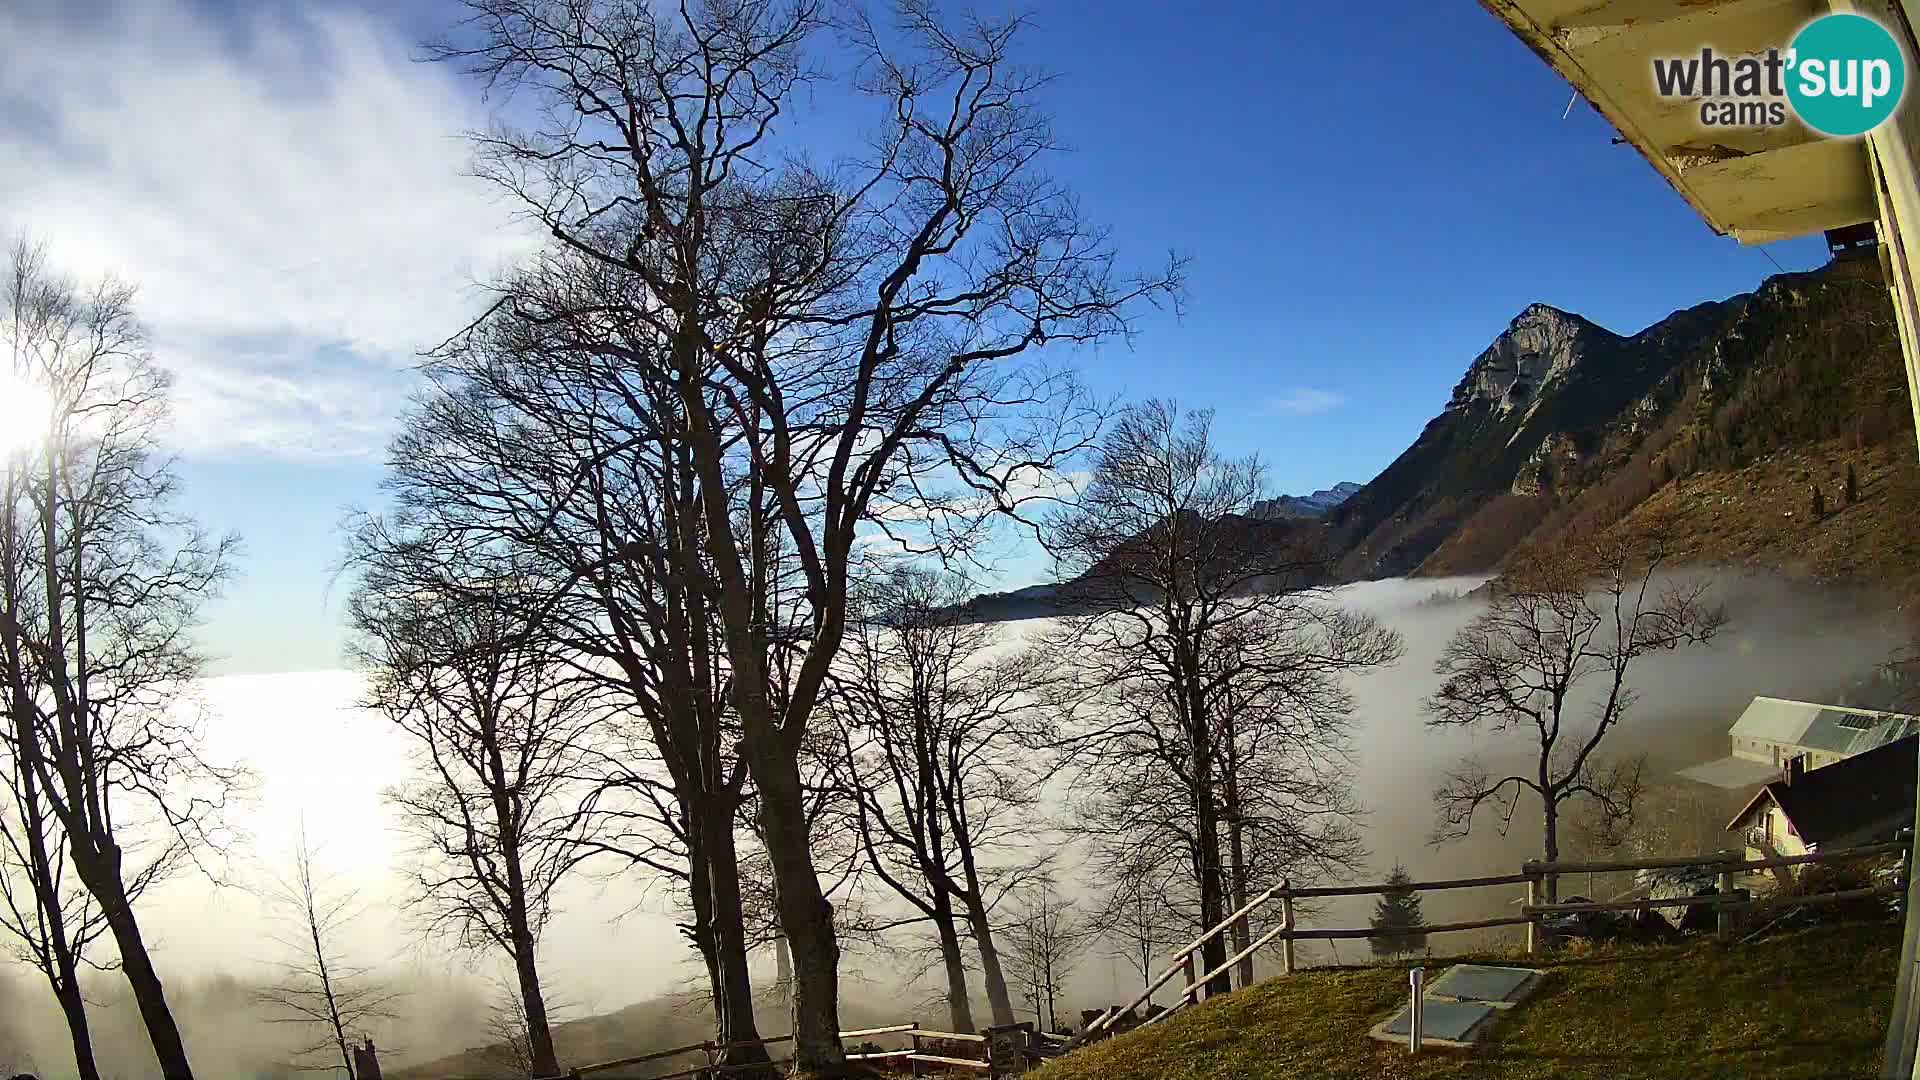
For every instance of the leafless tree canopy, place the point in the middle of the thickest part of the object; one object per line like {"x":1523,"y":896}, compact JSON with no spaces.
{"x":101,"y":580}
{"x":846,"y":336}
{"x":318,"y":988}
{"x":1047,"y":937}
{"x":1563,"y":626}
{"x":497,"y":726}
{"x":1213,"y":719}
{"x":939,"y":728}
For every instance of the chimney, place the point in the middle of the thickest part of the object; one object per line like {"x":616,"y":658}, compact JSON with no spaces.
{"x":1796,"y":768}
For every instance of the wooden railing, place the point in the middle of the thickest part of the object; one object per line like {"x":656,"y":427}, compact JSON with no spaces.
{"x":1532,"y":912}
{"x":913,"y":1056}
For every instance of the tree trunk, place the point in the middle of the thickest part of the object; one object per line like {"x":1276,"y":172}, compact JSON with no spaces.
{"x":727,"y":964}
{"x":1206,"y":822}
{"x":75,"y":1009}
{"x":101,"y":874}
{"x":65,"y":976}
{"x":519,"y":926}
{"x":1551,"y":843}
{"x":805,"y":915}
{"x":999,"y":1001}
{"x":539,"y":1030}
{"x":1242,"y":932}
{"x":959,"y":1008}
{"x":1212,"y":900}
{"x":772,"y":754}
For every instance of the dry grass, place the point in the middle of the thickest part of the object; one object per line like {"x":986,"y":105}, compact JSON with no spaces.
{"x":1804,"y":1005}
{"x":1761,"y":516}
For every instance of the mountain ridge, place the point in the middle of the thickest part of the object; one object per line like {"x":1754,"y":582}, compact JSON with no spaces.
{"x":1562,"y":427}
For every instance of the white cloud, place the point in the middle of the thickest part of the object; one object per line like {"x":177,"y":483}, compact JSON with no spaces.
{"x":295,"y":211}
{"x":1306,"y":401}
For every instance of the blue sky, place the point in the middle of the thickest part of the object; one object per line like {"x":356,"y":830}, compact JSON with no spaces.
{"x":1366,"y":199}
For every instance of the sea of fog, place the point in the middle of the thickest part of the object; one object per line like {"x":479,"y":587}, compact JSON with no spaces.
{"x":322,"y":763}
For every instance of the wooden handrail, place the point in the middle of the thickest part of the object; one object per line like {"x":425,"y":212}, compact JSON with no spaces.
{"x":642,"y":1059}
{"x":1716,"y":861}
{"x":1727,"y":899}
{"x":1721,"y":863}
{"x":936,"y":1059}
{"x":1438,"y":928}
{"x":954,"y":1036}
{"x":1179,"y":961}
{"x":1418,"y":886}
{"x":892,"y":1029}
{"x":1632,"y":905}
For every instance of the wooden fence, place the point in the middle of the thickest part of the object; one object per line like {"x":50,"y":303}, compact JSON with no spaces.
{"x":1000,"y":1047}
{"x":1534,"y":875}
{"x":915,"y":1056}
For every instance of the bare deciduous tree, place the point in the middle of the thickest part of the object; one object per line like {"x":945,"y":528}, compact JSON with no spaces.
{"x":103,"y":580}
{"x":531,"y":440}
{"x":846,"y":337}
{"x":1137,"y":922}
{"x":1560,"y":619}
{"x":497,"y":728}
{"x":319,"y":987}
{"x":50,"y":917}
{"x":938,"y":734}
{"x":1047,"y":935}
{"x":1210,"y":663}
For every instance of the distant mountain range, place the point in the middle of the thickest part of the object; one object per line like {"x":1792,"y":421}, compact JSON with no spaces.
{"x":1713,"y":425}
{"x":1314,"y":506}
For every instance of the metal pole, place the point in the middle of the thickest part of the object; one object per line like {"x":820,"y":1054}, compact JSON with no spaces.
{"x":1416,"y":1012}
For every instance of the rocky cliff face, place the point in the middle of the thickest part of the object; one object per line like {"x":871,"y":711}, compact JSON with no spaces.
{"x":1561,"y":427}
{"x":1539,"y":350}
{"x":1526,"y":412}
{"x":1561,"y":424}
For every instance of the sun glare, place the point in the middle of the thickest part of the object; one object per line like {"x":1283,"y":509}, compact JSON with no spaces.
{"x":23,"y":414}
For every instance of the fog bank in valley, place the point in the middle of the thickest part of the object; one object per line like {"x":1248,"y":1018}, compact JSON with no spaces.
{"x":322,"y":760}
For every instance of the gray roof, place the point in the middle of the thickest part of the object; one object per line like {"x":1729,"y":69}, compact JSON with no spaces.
{"x":1831,"y":728}
{"x":1732,"y":772}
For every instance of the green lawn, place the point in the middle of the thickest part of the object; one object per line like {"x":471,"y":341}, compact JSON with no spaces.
{"x":1810,"y":1004}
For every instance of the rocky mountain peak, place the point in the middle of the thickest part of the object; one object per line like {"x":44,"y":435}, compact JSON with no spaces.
{"x":1315,"y":505}
{"x":1539,"y":347}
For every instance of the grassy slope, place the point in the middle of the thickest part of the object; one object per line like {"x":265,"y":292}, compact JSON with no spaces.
{"x":1761,"y":515}
{"x":1811,"y":1004}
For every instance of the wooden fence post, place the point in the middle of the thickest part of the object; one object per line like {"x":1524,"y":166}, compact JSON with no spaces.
{"x":712,"y":1051}
{"x":1533,"y":899}
{"x":1286,"y":921}
{"x":1723,"y":924}
{"x":1186,"y":972}
{"x":914,"y":1061}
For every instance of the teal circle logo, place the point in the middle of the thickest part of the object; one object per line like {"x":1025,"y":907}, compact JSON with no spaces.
{"x":1846,"y":75}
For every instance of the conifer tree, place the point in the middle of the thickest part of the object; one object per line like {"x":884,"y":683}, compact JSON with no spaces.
{"x":1400,"y":927}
